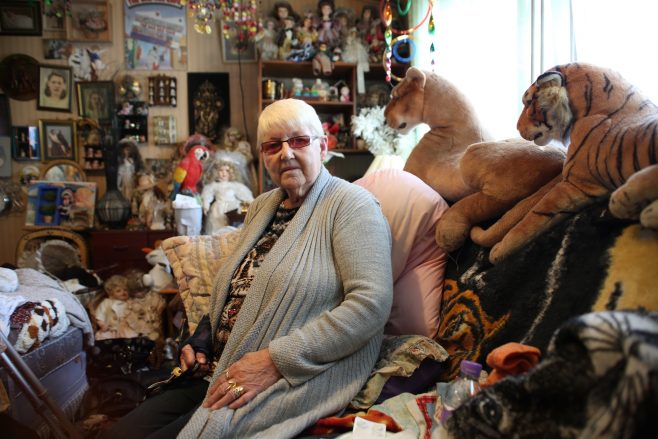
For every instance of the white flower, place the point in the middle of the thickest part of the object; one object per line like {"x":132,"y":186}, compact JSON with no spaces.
{"x":372,"y":128}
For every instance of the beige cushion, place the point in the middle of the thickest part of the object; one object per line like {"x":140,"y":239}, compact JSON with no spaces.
{"x":194,"y":261}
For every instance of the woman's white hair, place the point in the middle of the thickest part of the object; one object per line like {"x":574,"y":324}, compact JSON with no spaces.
{"x":288,"y":115}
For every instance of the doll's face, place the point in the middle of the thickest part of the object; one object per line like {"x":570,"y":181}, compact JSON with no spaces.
{"x":224,"y":173}
{"x":119,"y":292}
{"x":326,"y":10}
{"x":282,"y":12}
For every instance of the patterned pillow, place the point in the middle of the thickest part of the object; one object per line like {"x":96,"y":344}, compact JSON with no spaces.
{"x":194,"y":261}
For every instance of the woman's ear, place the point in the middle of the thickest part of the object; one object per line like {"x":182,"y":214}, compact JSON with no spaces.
{"x":324,"y":142}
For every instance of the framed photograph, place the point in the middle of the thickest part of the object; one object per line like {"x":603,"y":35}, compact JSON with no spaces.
{"x":58,"y":139}
{"x":96,"y":99}
{"x":55,"y":88}
{"x":61,"y":203}
{"x":235,"y":49}
{"x":89,"y":21}
{"x":25,"y":143}
{"x":20,"y":18}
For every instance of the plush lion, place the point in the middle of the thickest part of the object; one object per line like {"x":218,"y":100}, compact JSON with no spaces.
{"x":456,"y":158}
{"x":611,"y":130}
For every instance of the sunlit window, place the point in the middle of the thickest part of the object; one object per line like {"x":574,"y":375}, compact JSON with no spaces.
{"x":492,"y":50}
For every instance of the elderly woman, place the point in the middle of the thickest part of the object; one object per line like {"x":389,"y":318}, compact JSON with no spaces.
{"x":299,"y":305}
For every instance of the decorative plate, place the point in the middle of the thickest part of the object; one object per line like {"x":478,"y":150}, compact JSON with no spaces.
{"x":19,"y":77}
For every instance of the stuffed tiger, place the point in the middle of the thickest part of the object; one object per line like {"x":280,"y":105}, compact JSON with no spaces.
{"x":611,"y":130}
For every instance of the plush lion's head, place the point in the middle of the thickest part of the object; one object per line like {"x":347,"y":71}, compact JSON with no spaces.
{"x":405,"y":110}
{"x":546,"y":114}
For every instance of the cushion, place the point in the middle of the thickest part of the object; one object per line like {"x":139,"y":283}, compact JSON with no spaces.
{"x":194,"y":261}
{"x":412,"y":209}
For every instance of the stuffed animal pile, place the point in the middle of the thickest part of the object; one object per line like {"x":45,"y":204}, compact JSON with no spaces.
{"x":456,"y":158}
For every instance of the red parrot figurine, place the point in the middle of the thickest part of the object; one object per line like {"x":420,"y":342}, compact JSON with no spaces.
{"x":189,"y":171}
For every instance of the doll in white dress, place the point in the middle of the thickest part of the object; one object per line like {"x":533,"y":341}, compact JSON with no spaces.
{"x":130,"y":164}
{"x":222,"y":195}
{"x":113,"y":313}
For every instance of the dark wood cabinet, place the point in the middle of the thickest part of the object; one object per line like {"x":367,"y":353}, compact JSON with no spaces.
{"x":114,"y":251}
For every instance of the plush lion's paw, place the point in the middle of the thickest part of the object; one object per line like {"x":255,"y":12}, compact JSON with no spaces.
{"x":451,"y":235}
{"x":649,"y":216}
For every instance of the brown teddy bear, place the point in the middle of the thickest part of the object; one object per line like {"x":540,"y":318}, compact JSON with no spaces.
{"x":457,"y":158}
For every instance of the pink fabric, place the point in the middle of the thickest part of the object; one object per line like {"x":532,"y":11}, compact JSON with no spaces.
{"x":412,"y":209}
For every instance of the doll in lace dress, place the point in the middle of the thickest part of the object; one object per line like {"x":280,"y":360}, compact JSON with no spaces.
{"x":222,"y":195}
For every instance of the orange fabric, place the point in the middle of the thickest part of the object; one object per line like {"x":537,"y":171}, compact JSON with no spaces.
{"x":336,"y":424}
{"x":511,"y":359}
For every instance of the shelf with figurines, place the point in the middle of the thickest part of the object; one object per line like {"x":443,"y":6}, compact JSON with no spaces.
{"x":133,"y":121}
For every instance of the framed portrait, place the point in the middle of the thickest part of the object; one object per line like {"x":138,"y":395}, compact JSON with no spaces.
{"x":20,"y":18}
{"x":55,"y":88}
{"x":96,"y":99}
{"x":25,"y":143}
{"x":58,"y":139}
{"x":89,"y":21}
{"x":236,"y":49}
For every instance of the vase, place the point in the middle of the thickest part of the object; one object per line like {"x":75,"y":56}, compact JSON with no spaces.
{"x":113,"y":209}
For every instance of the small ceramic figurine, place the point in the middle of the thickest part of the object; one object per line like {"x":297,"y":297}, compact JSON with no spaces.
{"x":112,"y":313}
{"x":223,"y":195}
{"x":130,"y":163}
{"x":189,"y":170}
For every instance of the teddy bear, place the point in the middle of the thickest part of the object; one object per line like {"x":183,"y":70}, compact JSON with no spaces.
{"x":457,"y":158}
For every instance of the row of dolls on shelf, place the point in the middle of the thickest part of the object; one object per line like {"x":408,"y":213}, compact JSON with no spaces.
{"x":222,"y":179}
{"x":336,"y":33}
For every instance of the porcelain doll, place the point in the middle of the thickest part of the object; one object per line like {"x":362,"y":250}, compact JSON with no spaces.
{"x":287,"y":38}
{"x":144,"y":306}
{"x":130,"y":163}
{"x":241,"y":155}
{"x":282,"y":10}
{"x":150,"y":204}
{"x":112,"y":313}
{"x":327,"y":27}
{"x":266,"y":40}
{"x":223,"y":195}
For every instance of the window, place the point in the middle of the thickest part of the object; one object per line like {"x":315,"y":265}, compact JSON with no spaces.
{"x":493,"y":50}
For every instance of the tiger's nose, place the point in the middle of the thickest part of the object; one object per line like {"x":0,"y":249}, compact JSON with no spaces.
{"x":402,"y":126}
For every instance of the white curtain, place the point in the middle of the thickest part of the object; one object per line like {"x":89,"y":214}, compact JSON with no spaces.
{"x":494,"y":49}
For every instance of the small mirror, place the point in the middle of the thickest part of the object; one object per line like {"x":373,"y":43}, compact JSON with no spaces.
{"x":63,"y":170}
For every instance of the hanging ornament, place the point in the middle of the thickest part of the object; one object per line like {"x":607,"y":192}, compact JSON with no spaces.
{"x":404,"y":11}
{"x":388,"y":14}
{"x":430,"y":26}
{"x":240,"y":19}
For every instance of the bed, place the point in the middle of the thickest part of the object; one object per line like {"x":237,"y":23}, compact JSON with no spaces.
{"x":50,"y":328}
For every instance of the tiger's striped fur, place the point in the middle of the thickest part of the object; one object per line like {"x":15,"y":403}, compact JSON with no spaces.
{"x":611,"y":130}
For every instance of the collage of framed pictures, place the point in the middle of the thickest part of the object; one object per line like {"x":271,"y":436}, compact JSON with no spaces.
{"x":55,"y":88}
{"x":58,"y":138}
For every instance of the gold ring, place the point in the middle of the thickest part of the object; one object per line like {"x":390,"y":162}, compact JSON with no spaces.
{"x":237,"y":391}
{"x":231,"y":384}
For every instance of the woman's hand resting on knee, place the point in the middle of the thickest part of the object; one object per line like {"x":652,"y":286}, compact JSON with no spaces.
{"x":188,"y":357}
{"x":242,"y":381}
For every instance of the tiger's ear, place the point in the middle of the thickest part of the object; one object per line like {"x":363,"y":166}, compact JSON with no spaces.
{"x":550,"y":79}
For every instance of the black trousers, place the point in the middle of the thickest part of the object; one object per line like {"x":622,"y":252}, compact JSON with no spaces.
{"x":162,"y":416}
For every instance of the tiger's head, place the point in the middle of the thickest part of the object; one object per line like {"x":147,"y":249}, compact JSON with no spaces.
{"x":546,"y":113}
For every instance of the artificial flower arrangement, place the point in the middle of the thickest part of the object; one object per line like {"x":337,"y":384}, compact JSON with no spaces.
{"x":380,"y":139}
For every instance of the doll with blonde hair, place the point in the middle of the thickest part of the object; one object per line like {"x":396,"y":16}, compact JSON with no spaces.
{"x":112,"y":313}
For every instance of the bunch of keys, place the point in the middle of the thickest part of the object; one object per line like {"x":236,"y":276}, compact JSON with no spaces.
{"x":177,"y":372}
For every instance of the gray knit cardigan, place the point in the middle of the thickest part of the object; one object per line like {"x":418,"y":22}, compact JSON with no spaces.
{"x":319,"y":301}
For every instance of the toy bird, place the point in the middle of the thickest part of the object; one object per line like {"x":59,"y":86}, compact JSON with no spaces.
{"x":189,"y":171}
